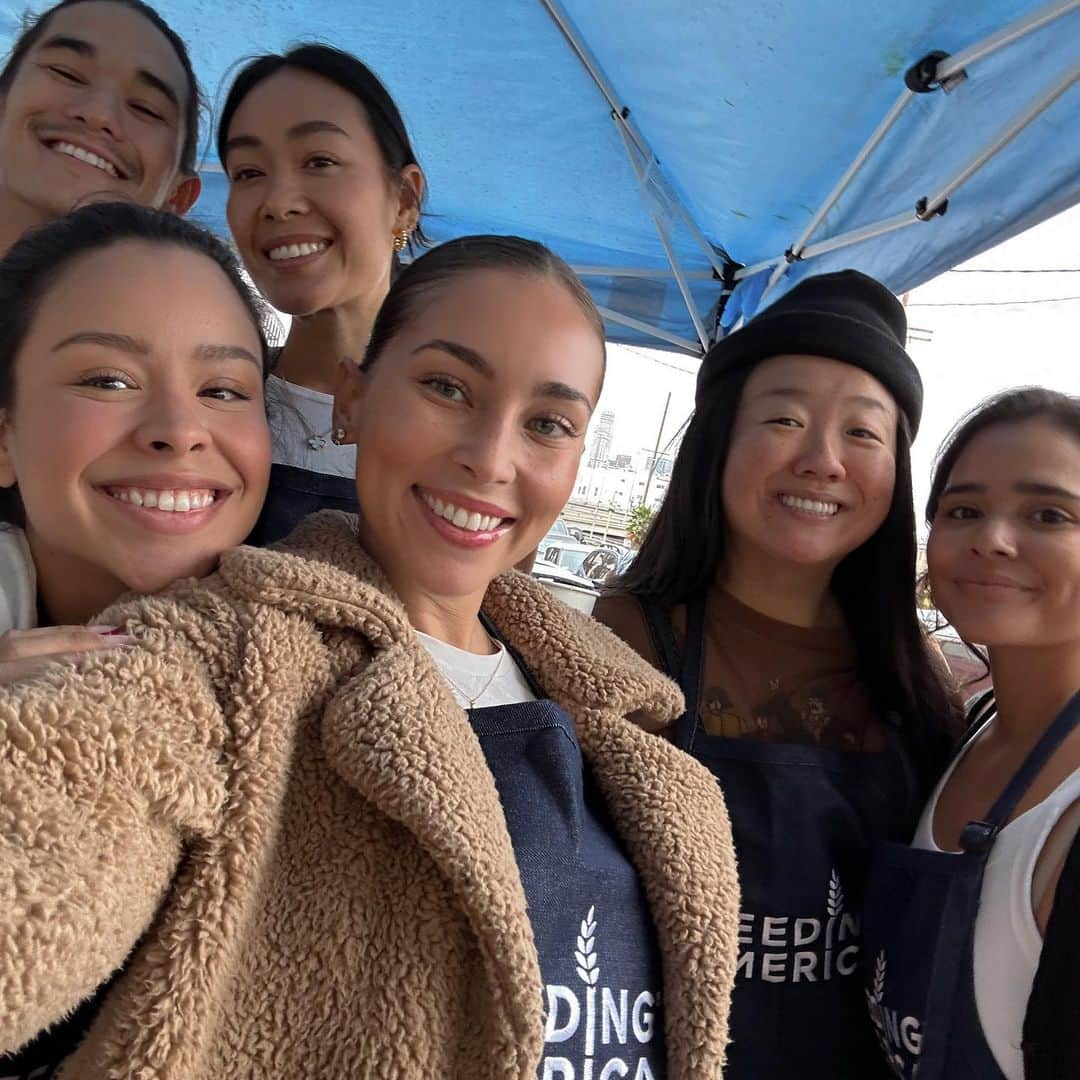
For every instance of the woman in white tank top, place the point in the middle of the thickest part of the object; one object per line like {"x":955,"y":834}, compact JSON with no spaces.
{"x":956,"y":923}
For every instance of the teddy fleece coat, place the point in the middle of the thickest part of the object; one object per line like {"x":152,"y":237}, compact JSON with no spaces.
{"x":274,"y":811}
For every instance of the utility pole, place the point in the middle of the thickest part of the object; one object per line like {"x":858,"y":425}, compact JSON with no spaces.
{"x":656,"y":451}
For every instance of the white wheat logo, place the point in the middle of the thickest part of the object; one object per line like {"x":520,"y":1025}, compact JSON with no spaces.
{"x":585,"y":955}
{"x":835,"y":902}
{"x":879,"y":978}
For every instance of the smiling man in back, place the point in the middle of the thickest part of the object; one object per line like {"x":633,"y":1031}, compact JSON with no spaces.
{"x":97,"y":100}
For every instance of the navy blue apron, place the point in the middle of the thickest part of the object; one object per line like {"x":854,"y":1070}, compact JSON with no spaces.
{"x":293,"y":494}
{"x":599,"y":957}
{"x":805,"y":823}
{"x":920,"y":937}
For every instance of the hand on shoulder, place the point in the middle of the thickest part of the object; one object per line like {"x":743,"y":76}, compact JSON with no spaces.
{"x":26,"y":652}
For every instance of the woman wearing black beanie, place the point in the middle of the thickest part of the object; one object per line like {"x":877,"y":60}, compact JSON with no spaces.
{"x":777,"y":585}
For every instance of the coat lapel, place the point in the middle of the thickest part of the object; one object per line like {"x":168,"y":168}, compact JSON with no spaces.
{"x":396,"y":735}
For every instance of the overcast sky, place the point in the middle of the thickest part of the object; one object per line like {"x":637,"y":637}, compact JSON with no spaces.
{"x":972,"y":351}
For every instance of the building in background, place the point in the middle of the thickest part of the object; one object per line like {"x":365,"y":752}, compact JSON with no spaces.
{"x":603,"y":437}
{"x":621,"y":483}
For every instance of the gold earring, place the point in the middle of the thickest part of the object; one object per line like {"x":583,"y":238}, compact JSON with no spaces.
{"x":401,"y":240}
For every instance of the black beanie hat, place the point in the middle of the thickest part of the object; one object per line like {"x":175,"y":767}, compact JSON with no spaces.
{"x":844,"y":316}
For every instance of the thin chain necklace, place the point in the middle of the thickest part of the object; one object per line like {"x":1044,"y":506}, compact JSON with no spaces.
{"x":473,"y":699}
{"x":315,"y":439}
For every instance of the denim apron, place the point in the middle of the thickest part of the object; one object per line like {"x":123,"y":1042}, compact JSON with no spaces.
{"x":805,"y":823}
{"x":599,"y":956}
{"x":294,"y":493}
{"x":920,"y":937}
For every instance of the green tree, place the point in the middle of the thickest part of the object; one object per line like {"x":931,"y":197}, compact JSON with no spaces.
{"x":637,"y":524}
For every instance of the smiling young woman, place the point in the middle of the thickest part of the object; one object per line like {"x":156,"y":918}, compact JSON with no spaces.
{"x":98,"y":100}
{"x":372,"y":801}
{"x":777,"y":583}
{"x":133,"y":443}
{"x":956,"y":923}
{"x":324,"y":190}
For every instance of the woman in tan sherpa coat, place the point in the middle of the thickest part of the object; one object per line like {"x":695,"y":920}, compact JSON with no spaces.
{"x":277,"y":817}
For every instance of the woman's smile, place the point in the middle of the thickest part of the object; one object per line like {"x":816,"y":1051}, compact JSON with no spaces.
{"x":456,"y":522}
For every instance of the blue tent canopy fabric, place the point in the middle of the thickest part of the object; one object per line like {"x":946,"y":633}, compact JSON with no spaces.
{"x":730,"y":127}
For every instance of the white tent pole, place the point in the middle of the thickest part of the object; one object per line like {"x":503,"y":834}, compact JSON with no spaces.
{"x":652,"y":331}
{"x":867,"y":232}
{"x":684,"y":286}
{"x":745,"y":272}
{"x":956,"y":63}
{"x":1006,"y":136}
{"x":665,"y":239}
{"x":569,"y":31}
{"x":621,"y":115}
{"x":869,"y":147}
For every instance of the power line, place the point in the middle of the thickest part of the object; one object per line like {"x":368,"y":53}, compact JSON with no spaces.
{"x":1012,"y":270}
{"x":655,"y":360}
{"x":993,"y":304}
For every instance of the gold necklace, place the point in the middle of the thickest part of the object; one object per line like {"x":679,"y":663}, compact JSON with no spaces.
{"x":491,"y":678}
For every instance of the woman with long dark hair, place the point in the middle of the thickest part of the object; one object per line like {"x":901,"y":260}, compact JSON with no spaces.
{"x":324,"y":191}
{"x":777,"y":583}
{"x":971,"y":937}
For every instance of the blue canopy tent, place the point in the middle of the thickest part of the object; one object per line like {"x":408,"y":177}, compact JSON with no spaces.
{"x":692,"y":160}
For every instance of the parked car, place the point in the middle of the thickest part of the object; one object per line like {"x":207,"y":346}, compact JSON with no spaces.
{"x":568,"y":554}
{"x":969,"y":669}
{"x":570,"y":588}
{"x":607,"y":562}
{"x":592,"y":561}
{"x":558,"y":533}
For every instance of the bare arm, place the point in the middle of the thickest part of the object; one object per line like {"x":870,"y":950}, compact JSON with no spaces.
{"x":1051,"y":862}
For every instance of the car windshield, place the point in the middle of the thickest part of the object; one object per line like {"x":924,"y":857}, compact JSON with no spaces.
{"x":572,"y":560}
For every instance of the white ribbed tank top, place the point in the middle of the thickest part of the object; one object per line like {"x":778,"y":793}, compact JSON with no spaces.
{"x":1007,"y":938}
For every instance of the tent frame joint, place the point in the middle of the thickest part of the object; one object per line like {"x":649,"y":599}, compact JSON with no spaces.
{"x":922,"y":76}
{"x":923,"y":214}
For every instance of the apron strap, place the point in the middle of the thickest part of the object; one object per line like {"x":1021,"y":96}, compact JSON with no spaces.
{"x":686,"y":727}
{"x":661,"y":635}
{"x":686,"y":671}
{"x":978,"y":836}
{"x":694,"y":655}
{"x":895,"y":732}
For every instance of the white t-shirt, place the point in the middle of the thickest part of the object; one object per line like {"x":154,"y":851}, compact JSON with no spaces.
{"x":496,"y":678}
{"x":297,"y":415}
{"x":18,"y":581}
